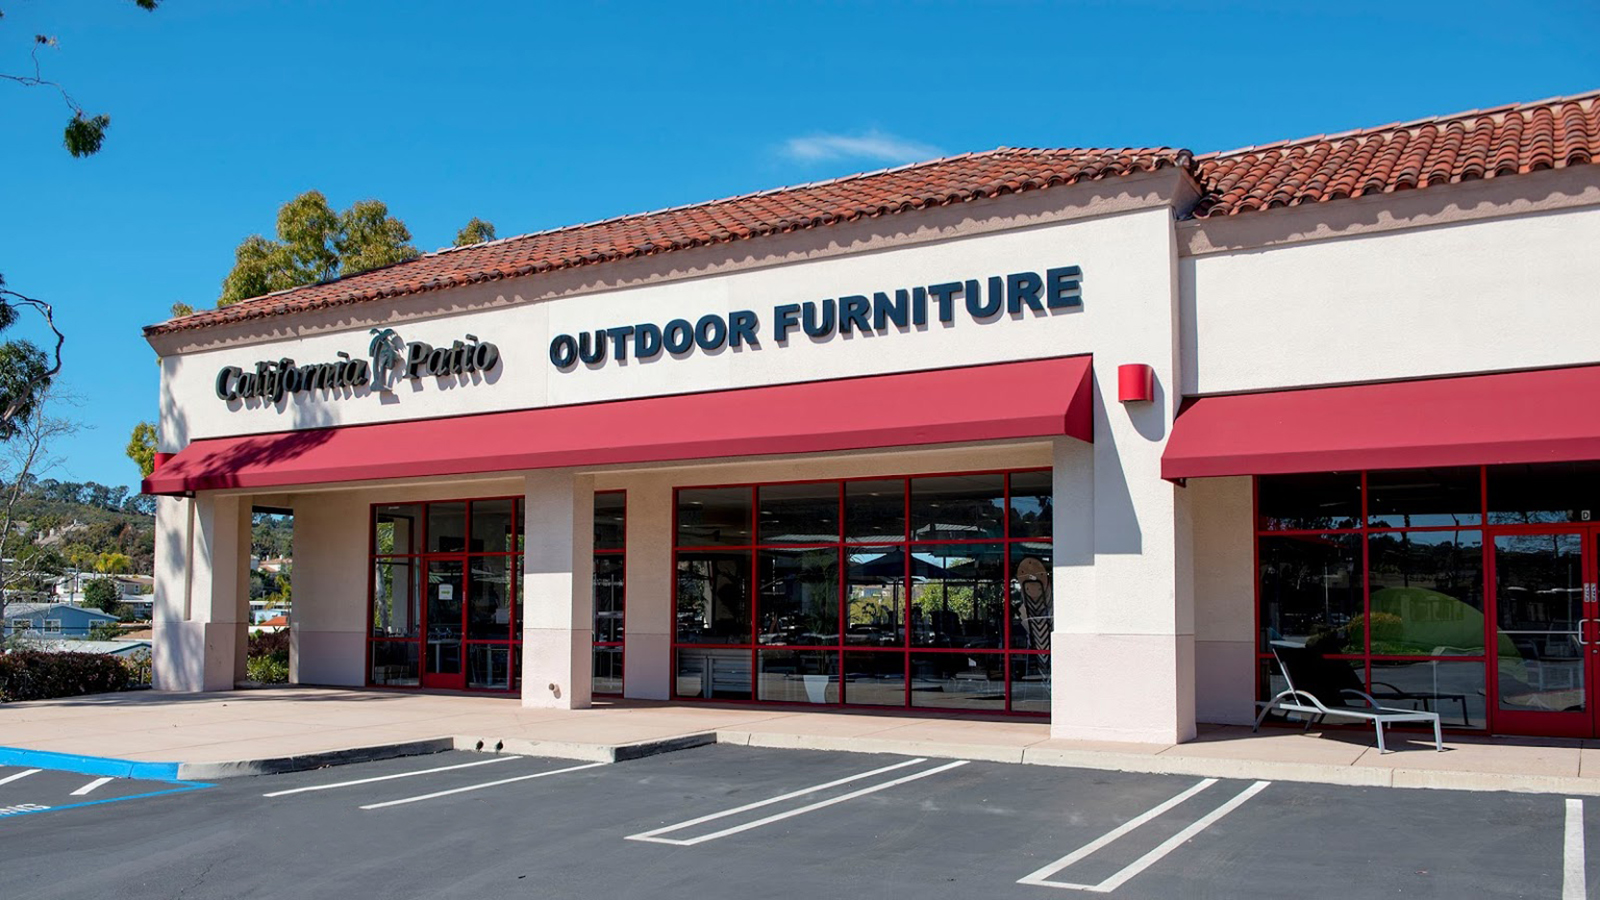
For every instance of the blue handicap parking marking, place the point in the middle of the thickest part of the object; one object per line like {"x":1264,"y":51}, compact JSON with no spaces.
{"x":34,"y":782}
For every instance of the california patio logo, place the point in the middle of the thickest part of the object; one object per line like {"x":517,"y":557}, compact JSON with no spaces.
{"x":389,"y":358}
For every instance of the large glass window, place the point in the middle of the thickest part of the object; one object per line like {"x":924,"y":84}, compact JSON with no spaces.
{"x":1385,"y":571}
{"x":924,"y":591}
{"x":610,"y":588}
{"x":444,"y":588}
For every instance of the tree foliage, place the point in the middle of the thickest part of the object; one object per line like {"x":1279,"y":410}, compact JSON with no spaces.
{"x":85,"y":132}
{"x":142,"y":448}
{"x":102,"y":594}
{"x":476,"y":231}
{"x":316,"y":244}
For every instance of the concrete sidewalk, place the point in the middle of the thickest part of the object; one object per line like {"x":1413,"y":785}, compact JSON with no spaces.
{"x":256,"y":731}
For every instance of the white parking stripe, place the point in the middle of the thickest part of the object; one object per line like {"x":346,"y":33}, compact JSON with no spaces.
{"x":91,"y":786}
{"x":1041,"y":877}
{"x":23,"y":774}
{"x":861,"y":792}
{"x":647,"y":835}
{"x":1574,"y":883}
{"x":479,"y":787}
{"x":1172,"y":843}
{"x":340,"y":784}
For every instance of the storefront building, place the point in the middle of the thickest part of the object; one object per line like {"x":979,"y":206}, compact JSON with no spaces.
{"x":1055,"y":433}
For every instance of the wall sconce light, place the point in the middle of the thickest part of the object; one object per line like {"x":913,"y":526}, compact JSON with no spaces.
{"x":1136,"y":383}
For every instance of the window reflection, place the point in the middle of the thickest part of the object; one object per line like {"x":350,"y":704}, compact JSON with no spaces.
{"x":875,"y":510}
{"x":970,"y":681}
{"x":1311,"y":591}
{"x":1031,"y":508}
{"x":713,"y":597}
{"x":1427,"y":593}
{"x":1414,"y":498}
{"x":1313,"y":502}
{"x":956,"y":595}
{"x":799,"y":597}
{"x":876,"y":596}
{"x":958,"y":507}
{"x":713,"y":517}
{"x":798,"y":513}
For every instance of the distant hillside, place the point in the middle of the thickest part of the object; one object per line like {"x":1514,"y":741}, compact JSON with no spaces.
{"x":83,"y":522}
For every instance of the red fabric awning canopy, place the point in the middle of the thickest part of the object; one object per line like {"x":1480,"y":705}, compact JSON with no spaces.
{"x":1038,"y":398}
{"x":1552,"y":415}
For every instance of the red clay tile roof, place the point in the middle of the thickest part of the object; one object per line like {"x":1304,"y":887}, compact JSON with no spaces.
{"x":1548,"y":134}
{"x":941,"y":182}
{"x":1508,"y":140}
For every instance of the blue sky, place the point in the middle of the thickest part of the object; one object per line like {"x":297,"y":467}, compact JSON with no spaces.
{"x":536,"y":115}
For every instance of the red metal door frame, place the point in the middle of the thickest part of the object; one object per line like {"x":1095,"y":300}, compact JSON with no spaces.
{"x":444,"y":680}
{"x":1555,"y":723}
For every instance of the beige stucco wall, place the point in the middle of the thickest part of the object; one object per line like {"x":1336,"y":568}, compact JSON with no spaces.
{"x":1474,"y":296}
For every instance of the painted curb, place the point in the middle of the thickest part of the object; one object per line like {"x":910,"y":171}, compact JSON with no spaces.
{"x":585,"y":752}
{"x":90,"y":765}
{"x":206,"y":771}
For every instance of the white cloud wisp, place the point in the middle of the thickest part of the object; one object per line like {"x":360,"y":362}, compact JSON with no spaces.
{"x":872,"y":145}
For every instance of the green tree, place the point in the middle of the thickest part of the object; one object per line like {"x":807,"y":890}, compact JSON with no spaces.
{"x":316,"y":244}
{"x":102,"y":594}
{"x":113,"y":563}
{"x":476,"y":231}
{"x":142,"y":448}
{"x":85,"y":132}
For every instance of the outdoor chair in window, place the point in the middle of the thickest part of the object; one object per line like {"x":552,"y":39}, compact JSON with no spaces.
{"x":1321,"y":687}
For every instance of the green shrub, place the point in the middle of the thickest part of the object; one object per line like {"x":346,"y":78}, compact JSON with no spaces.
{"x":138,"y":665}
{"x":267,"y":669}
{"x":37,"y":675}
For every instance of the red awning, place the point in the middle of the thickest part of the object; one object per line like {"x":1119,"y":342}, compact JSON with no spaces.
{"x":1552,"y":415}
{"x":1039,"y":398}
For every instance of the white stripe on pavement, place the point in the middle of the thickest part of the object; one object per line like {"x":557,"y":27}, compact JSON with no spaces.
{"x":23,"y":774}
{"x":91,"y":786}
{"x":340,"y":784}
{"x":647,"y":835}
{"x":479,"y":787}
{"x":1172,"y":843}
{"x":1041,"y":877}
{"x":1574,"y":884}
{"x":861,"y":792}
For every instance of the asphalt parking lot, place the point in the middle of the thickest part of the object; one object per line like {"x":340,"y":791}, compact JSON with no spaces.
{"x":723,"y":821}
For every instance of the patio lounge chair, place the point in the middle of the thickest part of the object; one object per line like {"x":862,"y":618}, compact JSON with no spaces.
{"x":1320,"y":687}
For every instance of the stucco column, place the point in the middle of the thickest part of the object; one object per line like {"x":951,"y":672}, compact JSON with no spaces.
{"x":330,"y":581}
{"x":647,"y":652}
{"x":558,"y":600}
{"x":202,"y":592}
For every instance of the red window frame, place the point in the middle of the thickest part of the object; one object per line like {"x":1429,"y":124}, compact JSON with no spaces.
{"x":1004,"y":655}
{"x":622,"y":553}
{"x":419,"y":560}
{"x":1365,"y":530}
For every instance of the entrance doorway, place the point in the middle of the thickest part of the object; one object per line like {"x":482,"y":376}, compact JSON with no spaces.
{"x":1545,"y":630}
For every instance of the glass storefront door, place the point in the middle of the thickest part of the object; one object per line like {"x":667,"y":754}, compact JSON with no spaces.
{"x":445,"y":624}
{"x":1545,"y":631}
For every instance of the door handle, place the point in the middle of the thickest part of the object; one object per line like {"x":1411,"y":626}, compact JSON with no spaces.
{"x":1581,"y":641}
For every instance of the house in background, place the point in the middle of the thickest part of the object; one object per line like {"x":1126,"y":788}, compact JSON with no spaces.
{"x":52,"y":620}
{"x":135,"y":591}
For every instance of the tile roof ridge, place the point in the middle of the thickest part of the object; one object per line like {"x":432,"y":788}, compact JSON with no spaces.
{"x":702,"y":204}
{"x":1398,"y":126}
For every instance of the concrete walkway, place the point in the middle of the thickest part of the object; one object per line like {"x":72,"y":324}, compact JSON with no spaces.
{"x":254,"y":731}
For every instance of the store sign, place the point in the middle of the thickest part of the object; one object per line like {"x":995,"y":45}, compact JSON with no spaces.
{"x":1018,"y":295}
{"x":388,"y":359}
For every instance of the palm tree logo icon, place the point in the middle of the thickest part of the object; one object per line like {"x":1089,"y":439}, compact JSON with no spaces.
{"x":385,"y":351}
